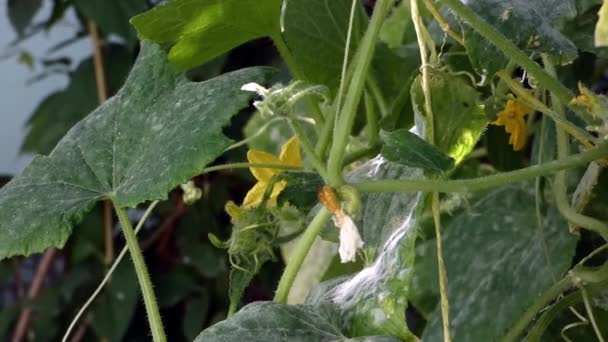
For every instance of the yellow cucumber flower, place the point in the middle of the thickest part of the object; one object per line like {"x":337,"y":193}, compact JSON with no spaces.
{"x":512,"y":117}
{"x":290,"y":156}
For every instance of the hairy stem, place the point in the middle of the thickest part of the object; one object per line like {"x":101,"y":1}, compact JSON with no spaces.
{"x":481,"y":183}
{"x":108,"y":275}
{"x":250,"y":165}
{"x":367,"y":151}
{"x":317,"y":163}
{"x":539,"y":304}
{"x":263,"y":129}
{"x":145,"y":284}
{"x":348,"y":112}
{"x":442,"y":22}
{"x":372,"y":119}
{"x":581,"y":135}
{"x":560,"y":188}
{"x":590,"y":314}
{"x":596,"y":277}
{"x":298,"y":255}
{"x":423,"y":39}
{"x":349,"y":33}
{"x":376,"y":92}
{"x":442,"y":273}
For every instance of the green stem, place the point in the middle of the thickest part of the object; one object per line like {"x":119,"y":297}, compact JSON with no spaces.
{"x":539,"y":304}
{"x":441,"y":269}
{"x":374,"y":89}
{"x":251,"y":165}
{"x":309,"y":150}
{"x":581,"y":135}
{"x":481,"y":183}
{"x":590,"y":314}
{"x":348,"y":112}
{"x":343,"y":74}
{"x":551,"y":314}
{"x":509,"y":49}
{"x":445,"y":26}
{"x":424,"y":38}
{"x":560,"y":187}
{"x":145,"y":284}
{"x":108,"y":275}
{"x":372,"y":119}
{"x":596,"y":277}
{"x":297,"y":257}
{"x":368,"y":151}
{"x":263,"y":129}
{"x":295,"y":71}
{"x":325,"y":137}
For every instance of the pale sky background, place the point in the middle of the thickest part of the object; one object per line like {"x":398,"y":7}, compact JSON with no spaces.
{"x":17,"y":98}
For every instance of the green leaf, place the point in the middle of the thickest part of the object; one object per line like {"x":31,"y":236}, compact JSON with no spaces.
{"x":21,"y":13}
{"x":267,"y":321}
{"x":112,"y":16}
{"x":301,"y":190}
{"x":116,"y":306}
{"x":159,"y":131}
{"x":398,"y":28}
{"x":57,"y":113}
{"x":496,"y":253}
{"x":315,"y":31}
{"x":531,"y":25}
{"x":458,"y":115}
{"x":239,"y":281}
{"x":199,"y":30}
{"x":406,"y":148}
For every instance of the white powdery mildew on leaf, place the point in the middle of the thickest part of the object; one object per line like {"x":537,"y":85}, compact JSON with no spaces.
{"x":497,"y":261}
{"x":118,"y":151}
{"x":267,"y":321}
{"x":531,"y":25}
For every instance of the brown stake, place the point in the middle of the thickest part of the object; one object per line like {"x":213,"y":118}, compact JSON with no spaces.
{"x":41,"y":272}
{"x":102,"y":96}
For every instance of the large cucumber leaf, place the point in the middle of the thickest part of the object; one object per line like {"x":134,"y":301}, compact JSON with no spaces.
{"x":156,"y":133}
{"x":267,"y":321}
{"x":498,"y":260}
{"x":532,"y":25}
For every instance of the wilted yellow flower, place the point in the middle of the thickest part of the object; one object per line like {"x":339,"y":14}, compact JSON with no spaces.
{"x":512,"y":117}
{"x":350,"y":239}
{"x":290,"y":156}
